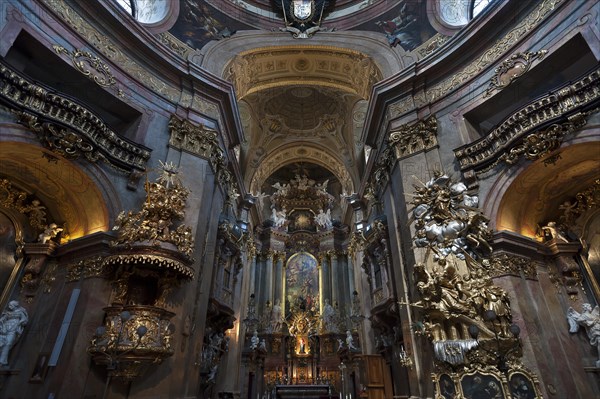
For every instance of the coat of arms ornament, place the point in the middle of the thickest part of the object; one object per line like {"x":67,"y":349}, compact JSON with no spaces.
{"x":303,"y":17}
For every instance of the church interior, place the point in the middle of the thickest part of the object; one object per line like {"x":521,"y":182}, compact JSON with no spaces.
{"x":284,"y":199}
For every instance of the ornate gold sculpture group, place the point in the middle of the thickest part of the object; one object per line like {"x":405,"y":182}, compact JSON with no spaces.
{"x":466,"y":316}
{"x":151,"y":256}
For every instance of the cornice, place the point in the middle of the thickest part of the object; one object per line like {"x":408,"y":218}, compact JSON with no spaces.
{"x":143,"y":56}
{"x":457,"y":62}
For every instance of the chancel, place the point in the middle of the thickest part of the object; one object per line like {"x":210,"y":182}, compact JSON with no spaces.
{"x":285,"y":199}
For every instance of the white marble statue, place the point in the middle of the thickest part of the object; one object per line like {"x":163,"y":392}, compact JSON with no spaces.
{"x":263,"y":345}
{"x":49,"y":233}
{"x":12,"y":322}
{"x":590,"y":320}
{"x":279,"y":217}
{"x":282,"y":189}
{"x":323,"y":186}
{"x":350,"y":341}
{"x":254,"y":341}
{"x":323,"y":219}
{"x":550,"y":231}
{"x":276,"y":318}
{"x":212,"y":375}
{"x":328,"y":317}
{"x":260,"y":199}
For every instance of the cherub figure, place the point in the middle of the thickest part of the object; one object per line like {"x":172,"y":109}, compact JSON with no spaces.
{"x":590,"y":319}
{"x":50,"y":232}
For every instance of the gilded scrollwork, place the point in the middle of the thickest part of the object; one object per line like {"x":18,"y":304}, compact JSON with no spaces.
{"x":174,"y":44}
{"x":88,"y":268}
{"x":61,"y":141}
{"x":127,"y":342}
{"x":506,"y":264}
{"x":432,"y":45}
{"x":198,"y":140}
{"x":203,"y":142}
{"x":583,"y":201}
{"x":409,"y":139}
{"x":79,"y":58}
{"x":111,"y":50}
{"x":539,"y":144}
{"x":512,"y":68}
{"x":13,"y":198}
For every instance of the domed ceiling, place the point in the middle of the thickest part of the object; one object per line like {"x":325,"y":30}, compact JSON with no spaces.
{"x":302,"y":102}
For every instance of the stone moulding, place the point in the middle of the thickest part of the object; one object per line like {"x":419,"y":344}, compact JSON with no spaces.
{"x":566,"y":109}
{"x":438,"y":90}
{"x":511,"y":69}
{"x":268,"y":67}
{"x":67,"y":127}
{"x":164,"y":260}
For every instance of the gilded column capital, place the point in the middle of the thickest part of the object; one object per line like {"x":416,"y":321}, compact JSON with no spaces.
{"x":410,"y":139}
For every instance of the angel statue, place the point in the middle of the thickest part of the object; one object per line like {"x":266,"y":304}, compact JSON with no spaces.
{"x":590,"y":319}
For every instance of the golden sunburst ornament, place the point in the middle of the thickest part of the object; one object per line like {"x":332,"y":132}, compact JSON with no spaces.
{"x":169,"y":173}
{"x":302,"y":221}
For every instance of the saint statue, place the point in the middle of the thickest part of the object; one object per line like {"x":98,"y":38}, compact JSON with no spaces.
{"x":254,"y":341}
{"x":350,"y":341}
{"x":12,"y":323}
{"x":328,"y":317}
{"x":590,"y":319}
{"x":276,"y":316}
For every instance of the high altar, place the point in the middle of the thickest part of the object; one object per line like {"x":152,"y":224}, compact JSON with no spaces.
{"x":301,"y":328}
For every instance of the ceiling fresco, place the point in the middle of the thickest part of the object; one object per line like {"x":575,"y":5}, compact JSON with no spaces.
{"x":403,"y":23}
{"x":302,"y":104}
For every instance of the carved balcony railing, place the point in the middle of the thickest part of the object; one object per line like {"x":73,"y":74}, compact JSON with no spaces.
{"x":67,"y":127}
{"x":536,"y":129}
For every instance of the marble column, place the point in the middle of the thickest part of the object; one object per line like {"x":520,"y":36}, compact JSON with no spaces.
{"x":269,"y":281}
{"x":259,"y":274}
{"x":335,"y":280}
{"x":326,"y":292}
{"x":350,"y":265}
{"x":321,"y":283}
{"x":345,"y":296}
{"x":283,"y":286}
{"x":252,"y":274}
{"x":278,"y":278}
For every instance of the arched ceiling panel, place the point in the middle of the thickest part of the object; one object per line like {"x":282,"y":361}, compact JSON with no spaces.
{"x":70,"y":196}
{"x":536,"y":195}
